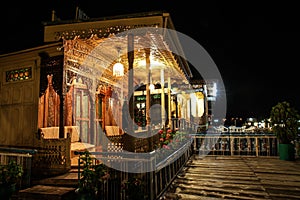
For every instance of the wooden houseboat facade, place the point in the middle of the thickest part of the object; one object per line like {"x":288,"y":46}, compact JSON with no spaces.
{"x":66,"y":95}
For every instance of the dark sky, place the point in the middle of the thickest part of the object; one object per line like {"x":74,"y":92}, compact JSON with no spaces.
{"x":255,"y":45}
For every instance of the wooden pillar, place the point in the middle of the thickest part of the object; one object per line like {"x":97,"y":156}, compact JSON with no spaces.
{"x":103,"y":109}
{"x":190,"y":113}
{"x":148,"y":101}
{"x":148,"y":95}
{"x":129,"y":140}
{"x":62,"y":95}
{"x":121,"y":107}
{"x":130,"y":54}
{"x":169,"y":102}
{"x":92,"y":111}
{"x":61,"y":118}
{"x":163,"y":111}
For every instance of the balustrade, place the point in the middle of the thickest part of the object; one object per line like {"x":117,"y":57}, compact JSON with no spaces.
{"x":244,"y":144}
{"x":156,"y":173}
{"x":53,"y":156}
{"x":22,"y":157}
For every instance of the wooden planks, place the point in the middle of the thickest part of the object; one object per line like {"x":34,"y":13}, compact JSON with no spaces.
{"x":234,"y":177}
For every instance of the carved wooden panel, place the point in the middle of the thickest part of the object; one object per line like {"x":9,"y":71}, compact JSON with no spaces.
{"x":16,"y":94}
{"x":28,"y":128}
{"x":28,"y":91}
{"x":5,"y":96}
{"x":53,"y":156}
{"x":51,"y":66}
{"x":17,"y":113}
{"x":15,"y":135}
{"x":48,"y":108}
{"x":4,"y":122}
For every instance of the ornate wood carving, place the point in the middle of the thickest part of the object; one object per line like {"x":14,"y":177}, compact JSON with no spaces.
{"x":52,"y":157}
{"x":102,"y":32}
{"x":51,"y":66}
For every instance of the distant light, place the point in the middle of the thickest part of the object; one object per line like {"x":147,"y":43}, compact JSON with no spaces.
{"x":211,"y":98}
{"x":214,"y":90}
{"x":118,"y":69}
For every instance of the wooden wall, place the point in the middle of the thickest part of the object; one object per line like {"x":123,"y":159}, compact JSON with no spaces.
{"x":19,"y":97}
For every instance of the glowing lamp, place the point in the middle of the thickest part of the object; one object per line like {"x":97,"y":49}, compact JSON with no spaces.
{"x":118,"y":69}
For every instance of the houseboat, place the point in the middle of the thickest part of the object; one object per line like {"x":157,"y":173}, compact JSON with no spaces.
{"x":121,"y":77}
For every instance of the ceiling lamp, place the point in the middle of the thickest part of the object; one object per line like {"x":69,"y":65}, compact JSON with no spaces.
{"x":118,"y":68}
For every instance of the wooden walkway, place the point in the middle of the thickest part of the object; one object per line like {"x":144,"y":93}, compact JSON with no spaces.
{"x":235,"y":177}
{"x":207,"y":178}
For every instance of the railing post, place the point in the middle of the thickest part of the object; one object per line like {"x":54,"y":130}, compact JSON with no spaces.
{"x":195,"y":144}
{"x":78,"y":168}
{"x":256,"y":146}
{"x":231,"y":146}
{"x":151,"y":180}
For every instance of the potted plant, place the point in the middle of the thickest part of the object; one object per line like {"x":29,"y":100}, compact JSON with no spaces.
{"x":10,"y":176}
{"x":92,"y":178}
{"x":284,"y":123}
{"x":134,"y":188}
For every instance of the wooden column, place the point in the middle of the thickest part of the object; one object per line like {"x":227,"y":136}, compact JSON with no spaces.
{"x":92,"y":111}
{"x":169,"y":101}
{"x":148,"y":95}
{"x":61,"y":116}
{"x":130,"y":54}
{"x":62,"y":95}
{"x":129,"y":140}
{"x":163,"y":111}
{"x":148,"y":101}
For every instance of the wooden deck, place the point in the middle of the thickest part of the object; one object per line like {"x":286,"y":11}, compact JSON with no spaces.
{"x":235,"y":177}
{"x":208,"y":178}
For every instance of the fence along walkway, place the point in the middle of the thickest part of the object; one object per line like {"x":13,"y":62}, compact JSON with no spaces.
{"x":237,"y":177}
{"x":22,"y":157}
{"x":249,"y":144}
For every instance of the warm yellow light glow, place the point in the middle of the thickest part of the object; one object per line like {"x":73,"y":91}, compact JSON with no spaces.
{"x":154,"y":64}
{"x":118,"y":69}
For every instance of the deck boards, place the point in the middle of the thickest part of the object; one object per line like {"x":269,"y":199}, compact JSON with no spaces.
{"x":235,"y":177}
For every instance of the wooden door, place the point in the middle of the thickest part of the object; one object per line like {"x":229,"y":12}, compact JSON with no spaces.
{"x":17,"y":106}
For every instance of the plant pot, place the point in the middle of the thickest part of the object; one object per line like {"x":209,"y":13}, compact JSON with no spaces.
{"x":286,"y":152}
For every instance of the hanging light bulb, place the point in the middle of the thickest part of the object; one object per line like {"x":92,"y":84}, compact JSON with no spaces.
{"x":118,"y":68}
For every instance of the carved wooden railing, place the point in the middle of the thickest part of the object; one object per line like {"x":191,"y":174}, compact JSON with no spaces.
{"x":160,"y":168}
{"x":52,"y":157}
{"x":143,"y":141}
{"x":236,"y":143}
{"x":22,"y":157}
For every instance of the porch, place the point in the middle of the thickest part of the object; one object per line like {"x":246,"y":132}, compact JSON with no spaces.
{"x":211,"y":176}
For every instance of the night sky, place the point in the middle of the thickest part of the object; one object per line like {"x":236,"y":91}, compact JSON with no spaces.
{"x":254,"y":45}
